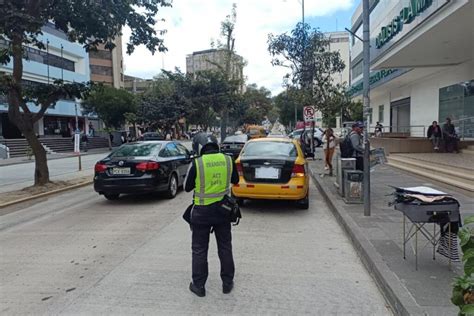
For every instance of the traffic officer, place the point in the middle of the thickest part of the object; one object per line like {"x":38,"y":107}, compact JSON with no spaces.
{"x":210,"y":176}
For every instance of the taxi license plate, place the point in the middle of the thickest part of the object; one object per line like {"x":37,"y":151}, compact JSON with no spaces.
{"x":118,"y":171}
{"x":267,"y":173}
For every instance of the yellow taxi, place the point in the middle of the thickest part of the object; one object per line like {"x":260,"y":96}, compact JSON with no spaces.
{"x":272,"y":169}
{"x":256,"y":131}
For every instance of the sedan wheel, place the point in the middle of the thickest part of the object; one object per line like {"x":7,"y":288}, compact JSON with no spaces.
{"x":172,"y":187}
{"x":304,"y":202}
{"x":111,"y":197}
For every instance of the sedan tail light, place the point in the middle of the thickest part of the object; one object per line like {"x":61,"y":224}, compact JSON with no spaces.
{"x":240,"y":171}
{"x":100,"y":167}
{"x":298,"y":171}
{"x":147,"y":166}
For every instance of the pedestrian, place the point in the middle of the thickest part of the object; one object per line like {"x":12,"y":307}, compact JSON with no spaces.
{"x":329,"y":141}
{"x":450,"y":137}
{"x":84,"y":140}
{"x":91,"y":129}
{"x":434,"y":134}
{"x":378,"y":129}
{"x":358,"y":148}
{"x":210,"y":177}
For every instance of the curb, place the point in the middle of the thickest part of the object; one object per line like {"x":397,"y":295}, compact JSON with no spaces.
{"x":398,"y":297}
{"x":44,"y":194}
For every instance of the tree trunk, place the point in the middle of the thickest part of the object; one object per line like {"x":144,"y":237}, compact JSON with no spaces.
{"x":41,"y":164}
{"x":25,"y":121}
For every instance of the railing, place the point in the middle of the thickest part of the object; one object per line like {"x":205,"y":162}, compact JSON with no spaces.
{"x":464,"y":127}
{"x":411,"y":130}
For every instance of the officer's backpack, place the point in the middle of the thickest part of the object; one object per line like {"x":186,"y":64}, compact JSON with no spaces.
{"x":347,"y":150}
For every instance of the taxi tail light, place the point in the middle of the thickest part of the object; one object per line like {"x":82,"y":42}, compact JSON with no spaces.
{"x":240,"y":171}
{"x":100,"y":167}
{"x":147,"y":166}
{"x":298,"y":171}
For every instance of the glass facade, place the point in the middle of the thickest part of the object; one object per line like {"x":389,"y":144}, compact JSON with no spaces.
{"x":457,"y":102}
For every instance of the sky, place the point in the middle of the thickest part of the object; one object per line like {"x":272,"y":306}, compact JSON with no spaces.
{"x":192,"y":24}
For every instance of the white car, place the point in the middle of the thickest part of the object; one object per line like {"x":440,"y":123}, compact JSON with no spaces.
{"x":318,"y":134}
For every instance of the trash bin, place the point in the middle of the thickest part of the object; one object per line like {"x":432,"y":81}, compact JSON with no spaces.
{"x":353,"y":186}
{"x":341,"y":165}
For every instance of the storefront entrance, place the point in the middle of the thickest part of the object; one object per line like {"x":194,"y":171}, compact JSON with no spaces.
{"x":400,"y":116}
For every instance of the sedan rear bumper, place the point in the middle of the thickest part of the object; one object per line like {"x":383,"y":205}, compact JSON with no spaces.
{"x":295,"y":189}
{"x":128,"y":186}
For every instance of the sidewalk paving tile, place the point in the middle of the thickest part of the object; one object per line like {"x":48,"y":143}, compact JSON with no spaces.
{"x":430,"y":287}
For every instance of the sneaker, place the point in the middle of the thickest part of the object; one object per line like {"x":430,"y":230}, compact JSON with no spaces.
{"x":199,"y":291}
{"x":227,"y":288}
{"x":436,"y":148}
{"x":326,"y":168}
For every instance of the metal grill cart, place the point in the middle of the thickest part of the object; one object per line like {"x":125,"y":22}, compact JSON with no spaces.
{"x":423,"y":206}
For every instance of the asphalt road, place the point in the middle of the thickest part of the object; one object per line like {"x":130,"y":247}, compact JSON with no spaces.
{"x":77,"y":253}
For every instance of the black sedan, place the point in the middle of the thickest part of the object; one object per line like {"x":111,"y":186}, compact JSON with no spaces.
{"x":232,"y":145}
{"x":148,"y":166}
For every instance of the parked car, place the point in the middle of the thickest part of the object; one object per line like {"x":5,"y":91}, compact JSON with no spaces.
{"x":272,"y":169}
{"x":318,"y":134}
{"x":148,"y":166}
{"x":232,"y":145}
{"x":152,"y":136}
{"x":256,"y":131}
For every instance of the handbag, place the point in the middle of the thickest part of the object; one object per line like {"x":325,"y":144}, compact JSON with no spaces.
{"x":231,"y":209}
{"x":187,"y":213}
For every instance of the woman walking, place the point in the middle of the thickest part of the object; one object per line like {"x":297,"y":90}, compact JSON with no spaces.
{"x":329,"y":141}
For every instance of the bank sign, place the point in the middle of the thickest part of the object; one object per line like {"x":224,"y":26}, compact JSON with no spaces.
{"x":406,"y":16}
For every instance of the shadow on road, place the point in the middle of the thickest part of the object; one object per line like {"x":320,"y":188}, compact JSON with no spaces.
{"x":271,"y":206}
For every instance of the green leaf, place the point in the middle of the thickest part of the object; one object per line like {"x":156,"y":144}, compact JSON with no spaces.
{"x":469,"y":267}
{"x":469,"y":253}
{"x":467,"y":309}
{"x":457,"y":298}
{"x":468,"y":220}
{"x":464,"y":235}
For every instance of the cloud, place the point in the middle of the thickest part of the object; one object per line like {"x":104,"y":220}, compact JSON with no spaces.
{"x":191,"y":24}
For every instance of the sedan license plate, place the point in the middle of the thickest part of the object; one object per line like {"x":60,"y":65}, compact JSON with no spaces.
{"x":118,"y":171}
{"x":267,"y":173}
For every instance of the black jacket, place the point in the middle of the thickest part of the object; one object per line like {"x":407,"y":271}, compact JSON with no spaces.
{"x":207,"y":214}
{"x":434,"y":132}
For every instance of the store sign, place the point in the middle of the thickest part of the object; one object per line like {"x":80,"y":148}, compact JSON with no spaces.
{"x":406,"y":16}
{"x":374,"y":78}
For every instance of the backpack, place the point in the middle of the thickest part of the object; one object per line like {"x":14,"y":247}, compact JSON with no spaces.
{"x":347,"y":150}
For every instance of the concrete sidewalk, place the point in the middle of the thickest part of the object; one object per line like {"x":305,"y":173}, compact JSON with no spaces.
{"x":20,"y":160}
{"x":378,"y":240}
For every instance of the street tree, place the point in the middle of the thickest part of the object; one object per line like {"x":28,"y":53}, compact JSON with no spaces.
{"x":110,"y":104}
{"x":305,"y":53}
{"x":231,"y":67}
{"x":165,"y":102}
{"x":257,"y":104}
{"x":286,"y":102}
{"x":89,"y":22}
{"x":339,"y":103}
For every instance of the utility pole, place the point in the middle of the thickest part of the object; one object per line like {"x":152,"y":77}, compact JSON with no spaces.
{"x":366,"y":91}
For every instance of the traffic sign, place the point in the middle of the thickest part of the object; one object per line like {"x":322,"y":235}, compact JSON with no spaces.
{"x":309,"y":113}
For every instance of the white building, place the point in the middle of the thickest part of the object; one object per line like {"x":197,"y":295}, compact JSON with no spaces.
{"x":339,"y":41}
{"x":422,"y":63}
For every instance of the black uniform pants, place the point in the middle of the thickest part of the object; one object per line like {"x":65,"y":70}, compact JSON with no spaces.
{"x":200,"y":246}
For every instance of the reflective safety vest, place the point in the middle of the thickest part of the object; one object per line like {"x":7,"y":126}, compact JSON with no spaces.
{"x":213,"y":173}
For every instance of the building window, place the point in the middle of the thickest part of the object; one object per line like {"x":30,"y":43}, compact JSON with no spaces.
{"x":101,"y":70}
{"x":381,"y":109}
{"x":357,"y":69}
{"x":43,"y":57}
{"x":457,"y":102}
{"x":101,"y":54}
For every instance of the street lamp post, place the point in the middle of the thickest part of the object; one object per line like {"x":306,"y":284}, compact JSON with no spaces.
{"x":366,"y":91}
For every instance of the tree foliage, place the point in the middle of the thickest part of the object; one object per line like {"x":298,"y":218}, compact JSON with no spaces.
{"x":286,"y":102}
{"x":110,"y":105}
{"x":89,"y":22}
{"x":257,"y":104}
{"x":305,"y":53}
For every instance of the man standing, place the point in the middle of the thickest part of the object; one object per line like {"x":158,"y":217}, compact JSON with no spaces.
{"x":356,"y":140}
{"x":210,"y":176}
{"x":450,"y":137}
